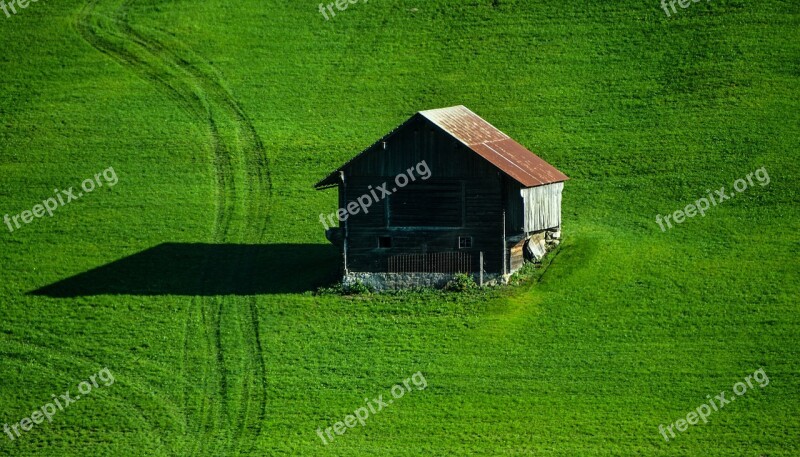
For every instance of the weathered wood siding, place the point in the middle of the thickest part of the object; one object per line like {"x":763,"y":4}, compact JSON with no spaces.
{"x":482,"y":222}
{"x":433,"y":203}
{"x":515,"y":208}
{"x":455,"y":170}
{"x":542,"y":207}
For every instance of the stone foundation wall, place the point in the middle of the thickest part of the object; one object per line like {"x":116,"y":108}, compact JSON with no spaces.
{"x":543,"y":242}
{"x":395,"y":281}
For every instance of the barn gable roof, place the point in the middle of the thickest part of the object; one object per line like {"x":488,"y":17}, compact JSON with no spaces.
{"x":488,"y":142}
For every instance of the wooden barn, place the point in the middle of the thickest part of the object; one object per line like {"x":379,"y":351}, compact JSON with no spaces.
{"x":448,"y":193}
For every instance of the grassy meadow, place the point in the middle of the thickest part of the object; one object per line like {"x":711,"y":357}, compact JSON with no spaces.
{"x":193,"y":278}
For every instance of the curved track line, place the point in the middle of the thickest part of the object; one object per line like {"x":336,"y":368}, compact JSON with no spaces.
{"x":242,"y":172}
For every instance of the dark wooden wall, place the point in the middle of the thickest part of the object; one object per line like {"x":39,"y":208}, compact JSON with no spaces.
{"x":515,"y":208}
{"x":452,"y":166}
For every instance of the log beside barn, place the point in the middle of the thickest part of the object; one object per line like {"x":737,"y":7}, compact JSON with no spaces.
{"x":485,"y":205}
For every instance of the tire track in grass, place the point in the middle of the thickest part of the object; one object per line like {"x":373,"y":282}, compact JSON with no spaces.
{"x":242,"y":172}
{"x":255,"y":212}
{"x":259,"y":181}
{"x":103,"y":33}
{"x":100,"y":32}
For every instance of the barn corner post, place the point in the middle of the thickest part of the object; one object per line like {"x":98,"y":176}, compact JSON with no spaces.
{"x":504,"y":205}
{"x":346,"y":226}
{"x":480,"y":267}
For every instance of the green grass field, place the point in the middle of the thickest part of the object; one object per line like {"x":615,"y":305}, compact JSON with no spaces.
{"x":192,"y":279}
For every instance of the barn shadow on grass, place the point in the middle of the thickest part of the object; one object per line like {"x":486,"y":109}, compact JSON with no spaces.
{"x":206,"y":269}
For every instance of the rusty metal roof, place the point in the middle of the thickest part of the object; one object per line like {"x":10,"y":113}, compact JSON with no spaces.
{"x":488,"y":142}
{"x":495,"y":146}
